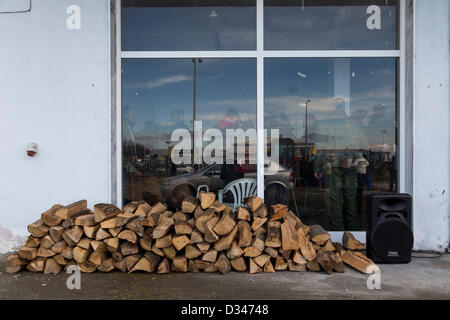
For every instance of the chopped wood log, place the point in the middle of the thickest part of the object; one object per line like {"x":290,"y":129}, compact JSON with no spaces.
{"x":164,"y":225}
{"x":207,"y":199}
{"x":273,"y":238}
{"x":210,"y":268}
{"x":164,"y":242}
{"x":281,"y":264}
{"x":191,"y":223}
{"x":107,"y":265}
{"x":120,"y":265}
{"x":128,"y":235}
{"x":360,"y":262}
{"x":278,"y":211}
{"x":128,"y":248}
{"x":143,"y":209}
{"x":37,"y":265}
{"x":268,"y":267}
{"x":115,"y":231}
{"x":117,"y":256}
{"x":261,"y":259}
{"x":15,"y":260}
{"x":124,"y":218}
{"x":199,"y":211}
{"x":105,"y":211}
{"x":13,"y":269}
{"x":154,"y":260}
{"x":245,"y":234}
{"x":189,"y":204}
{"x":131,"y":260}
{"x":323,"y":258}
{"x":243,"y":214}
{"x":47,"y":242}
{"x":38,"y":229}
{"x":318,"y":234}
{"x":339,"y":248}
{"x":87,"y":267}
{"x":305,"y":245}
{"x":180,"y":242}
{"x":225,"y":224}
{"x":67,"y":239}
{"x":192,"y":252}
{"x":253,"y":202}
{"x":223,"y":264}
{"x":254,"y":268}
{"x":164,"y":267}
{"x":210,"y":256}
{"x":75,"y":234}
{"x":180,"y":264}
{"x":179,"y":216}
{"x":200,"y":222}
{"x":259,"y":239}
{"x":72,"y":209}
{"x":338,"y":264}
{"x":170,"y":252}
{"x":328,"y":247}
{"x":108,"y":224}
{"x":219,"y":207}
{"x":261,"y":212}
{"x":210,"y":235}
{"x":112,"y":243}
{"x":200,"y":264}
{"x":98,"y":246}
{"x":289,"y":237}
{"x":87,"y":220}
{"x":225,"y":242}
{"x":145,"y":244}
{"x":136,"y":226}
{"x":196,"y":237}
{"x":296,"y":267}
{"x":157,"y":208}
{"x":251,"y":252}
{"x":49,"y":217}
{"x":234,"y":251}
{"x":67,"y":253}
{"x":157,"y":251}
{"x":151,"y":220}
{"x":192,"y":267}
{"x":90,"y":232}
{"x":203,"y":246}
{"x":34,"y":242}
{"x":349,"y":242}
{"x":59,"y":259}
{"x":45,"y":253}
{"x":271,"y":252}
{"x":142,"y":265}
{"x":238,"y":264}
{"x":80,"y":255}
{"x":286,"y":254}
{"x":130,"y":207}
{"x":84,"y":243}
{"x":97,"y":257}
{"x":313,"y":266}
{"x":258,"y":223}
{"x":183,"y":227}
{"x":298,"y":258}
{"x":55,"y":233}
{"x":293,"y":219}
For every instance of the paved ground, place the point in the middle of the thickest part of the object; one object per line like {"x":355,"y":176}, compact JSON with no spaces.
{"x":421,"y":279}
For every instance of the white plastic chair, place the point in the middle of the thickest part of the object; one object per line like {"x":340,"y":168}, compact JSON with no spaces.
{"x":240,"y":189}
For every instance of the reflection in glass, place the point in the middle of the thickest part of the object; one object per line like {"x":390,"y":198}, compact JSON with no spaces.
{"x":188,"y":25}
{"x":158,"y":98}
{"x":330,"y":25}
{"x":337,"y":122}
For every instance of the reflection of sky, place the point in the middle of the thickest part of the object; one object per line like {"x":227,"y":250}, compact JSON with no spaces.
{"x":372,"y":85}
{"x":159,"y":93}
{"x":189,"y":28}
{"x":327,"y":27}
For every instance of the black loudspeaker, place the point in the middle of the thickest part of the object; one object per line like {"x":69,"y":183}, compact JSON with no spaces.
{"x":389,"y":236}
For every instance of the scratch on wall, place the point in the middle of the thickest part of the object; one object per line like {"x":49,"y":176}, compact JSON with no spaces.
{"x":8,"y":241}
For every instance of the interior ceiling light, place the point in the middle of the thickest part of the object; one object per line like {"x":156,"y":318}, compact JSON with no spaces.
{"x":301,"y":74}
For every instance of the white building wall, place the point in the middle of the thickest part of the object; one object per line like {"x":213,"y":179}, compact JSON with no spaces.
{"x":55,"y":91}
{"x":431,"y":122}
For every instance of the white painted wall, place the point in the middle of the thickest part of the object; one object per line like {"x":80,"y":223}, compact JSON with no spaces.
{"x":55,"y":91}
{"x":431,"y":123}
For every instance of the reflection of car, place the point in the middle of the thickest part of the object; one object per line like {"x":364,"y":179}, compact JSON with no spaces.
{"x":277,"y":186}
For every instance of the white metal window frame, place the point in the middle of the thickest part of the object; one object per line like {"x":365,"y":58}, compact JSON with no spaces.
{"x":260,"y":54}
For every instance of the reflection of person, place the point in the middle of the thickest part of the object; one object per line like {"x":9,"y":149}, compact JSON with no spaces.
{"x":361,"y":165}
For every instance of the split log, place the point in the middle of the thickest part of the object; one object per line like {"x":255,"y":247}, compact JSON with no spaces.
{"x":136,"y":226}
{"x":112,"y":243}
{"x":38,"y":229}
{"x":243,"y":214}
{"x":157,"y":251}
{"x":296,"y":267}
{"x":131,"y":260}
{"x":234,"y":251}
{"x":179,"y":216}
{"x":196,"y":237}
{"x":128,"y":248}
{"x":192,"y":267}
{"x":189,"y":204}
{"x":142,"y":265}
{"x":278,"y":211}
{"x":74,"y":234}
{"x":164,"y":266}
{"x":268,"y":267}
{"x":60,"y":260}
{"x":97,"y":257}
{"x":84,"y":243}
{"x":143,"y":209}
{"x":154,"y":260}
{"x":87,"y":267}
{"x":225,"y":224}
{"x":273,"y":238}
{"x":164,"y":242}
{"x":170,"y":252}
{"x":262,"y":259}
{"x":323,"y":258}
{"x":130,"y":207}
{"x":106,"y":266}
{"x":102,"y":234}
{"x":200,"y":264}
{"x":259,"y":239}
{"x":90,"y":232}
{"x":210,"y":268}
{"x":254,"y":268}
{"x":360,"y":262}
{"x":207,"y":199}
{"x":80,"y":255}
{"x":49,"y":217}
{"x":251,"y":252}
{"x":164,"y":225}
{"x":37,"y":265}
{"x":108,"y":224}
{"x":158,"y":207}
{"x":47,"y":242}
{"x":117,"y":256}
{"x":298,"y":258}
{"x":145,"y":244}
{"x":328,"y":247}
{"x":258,"y":222}
{"x":218,"y":206}
{"x":128,"y":235}
{"x":313,"y":266}
{"x":27,"y":253}
{"x":180,"y":242}
{"x":72,"y":209}
{"x":200,"y":222}
{"x":180,"y":264}
{"x":98,"y":246}
{"x":34,"y":242}
{"x":120,"y":265}
{"x":281,"y":264}
{"x":339,"y":248}
{"x":203,"y":246}
{"x":67,"y":253}
{"x":105,"y":211}
{"x":245,"y":234}
{"x":151,"y":220}
{"x":124,"y":218}
{"x":210,"y":235}
{"x":318,"y":234}
{"x":87,"y":220}
{"x":115,"y":231}
{"x":271,"y":252}
{"x":305,"y":245}
{"x":210,"y":256}
{"x":349,"y":242}
{"x":239,"y":264}
{"x":286,"y":254}
{"x":192,"y":252}
{"x":45,"y":253}
{"x":223,"y":264}
{"x":225,"y":242}
{"x":289,"y":237}
{"x":338,"y":264}
{"x":183,"y":227}
{"x":261,"y":212}
{"x":253,"y":202}
{"x":15,"y":263}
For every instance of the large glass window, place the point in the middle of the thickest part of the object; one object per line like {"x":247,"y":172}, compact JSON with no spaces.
{"x":188,"y":25}
{"x":330,"y":25}
{"x":337,"y":122}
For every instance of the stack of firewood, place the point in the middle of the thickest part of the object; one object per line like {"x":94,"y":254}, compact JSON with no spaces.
{"x":203,"y":235}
